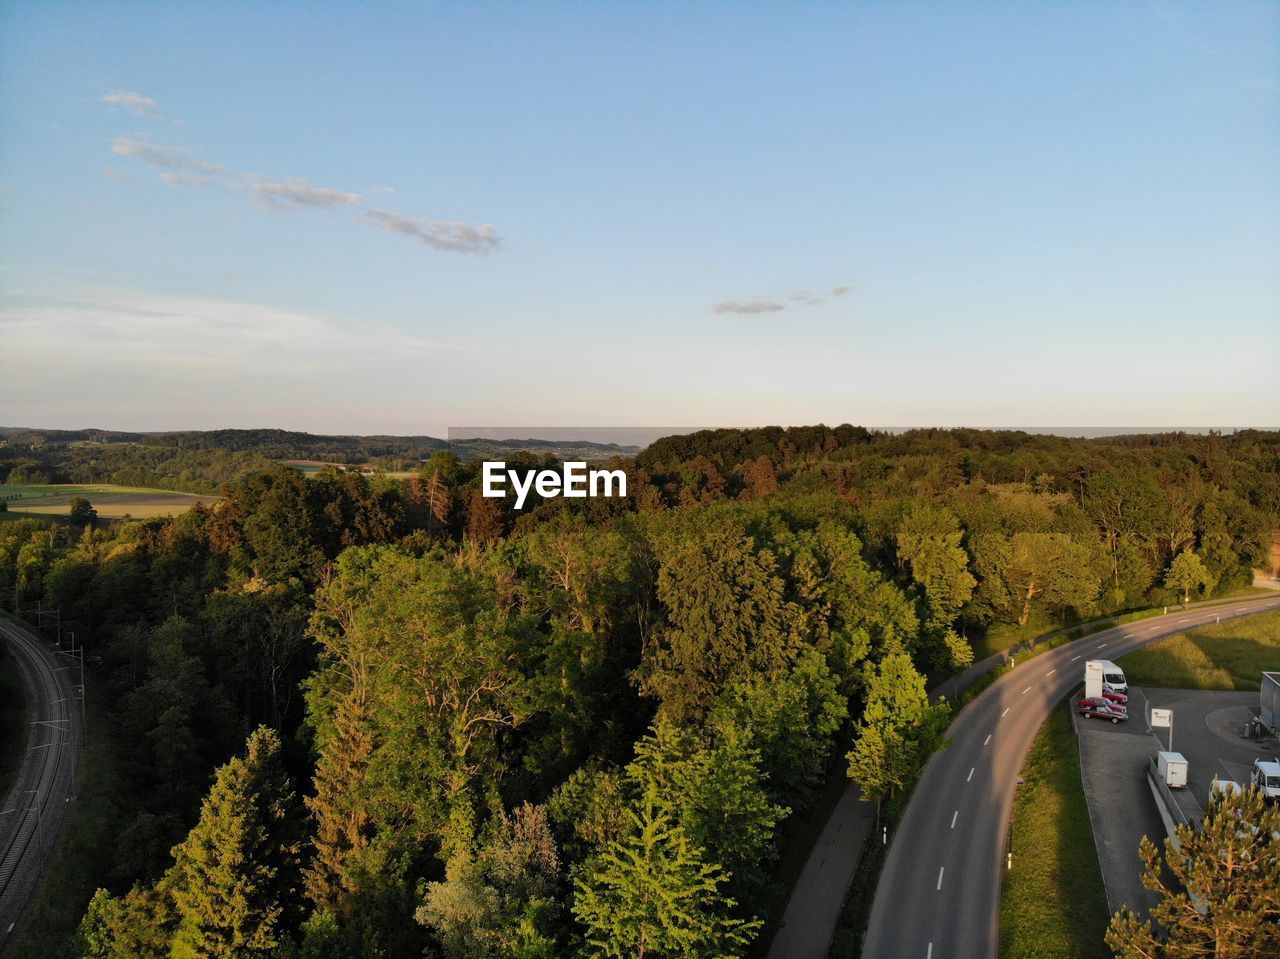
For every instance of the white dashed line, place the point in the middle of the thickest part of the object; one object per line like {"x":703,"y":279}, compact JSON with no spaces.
{"x":1005,"y":713}
{"x":987,"y":740}
{"x":1051,"y":672}
{"x":954,"y":816}
{"x":1153,"y":629}
{"x":1187,"y":620}
{"x":927,"y":955}
{"x":1027,"y":690}
{"x":970,"y":776}
{"x":1074,"y":658}
{"x":941,"y":870}
{"x":1102,"y":645}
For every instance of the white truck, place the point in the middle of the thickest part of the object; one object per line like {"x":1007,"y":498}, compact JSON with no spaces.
{"x":1103,"y":672}
{"x":1266,"y":777}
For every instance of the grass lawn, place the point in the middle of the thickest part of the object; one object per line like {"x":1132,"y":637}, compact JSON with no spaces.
{"x":1054,"y":905}
{"x":111,"y":501}
{"x":13,"y":721}
{"x":1229,"y":655}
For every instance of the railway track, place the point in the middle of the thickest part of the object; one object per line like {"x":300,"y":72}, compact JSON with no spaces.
{"x":32,"y":812}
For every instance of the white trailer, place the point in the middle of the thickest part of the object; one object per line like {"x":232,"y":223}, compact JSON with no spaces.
{"x":1171,"y":768}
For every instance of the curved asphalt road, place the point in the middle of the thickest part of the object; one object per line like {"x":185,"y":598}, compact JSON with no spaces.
{"x":32,"y":812}
{"x":939,"y":891}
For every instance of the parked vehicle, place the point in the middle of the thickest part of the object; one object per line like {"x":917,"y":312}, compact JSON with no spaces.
{"x":1101,"y":702}
{"x":1095,"y":709}
{"x":1111,"y":695}
{"x":1103,"y":672}
{"x":1266,"y":776}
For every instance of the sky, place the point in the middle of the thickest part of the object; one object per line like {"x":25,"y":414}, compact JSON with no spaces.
{"x":397,"y":217}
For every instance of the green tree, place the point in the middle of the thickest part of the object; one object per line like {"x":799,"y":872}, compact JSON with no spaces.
{"x":711,"y":782}
{"x":650,"y":894}
{"x":899,"y":729}
{"x":500,"y":899}
{"x":236,"y":877}
{"x":1224,"y":902}
{"x":1030,"y":568}
{"x":1187,"y":573}
{"x":82,"y":512}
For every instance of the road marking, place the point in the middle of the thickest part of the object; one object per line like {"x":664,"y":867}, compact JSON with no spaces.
{"x":941,"y":869}
{"x":1051,"y":672}
{"x":1153,"y":629}
{"x":1184,"y":620}
{"x":1027,"y":690}
{"x":1074,"y":658}
{"x":970,"y":776}
{"x":1006,"y":712}
{"x":927,"y":955}
{"x":954,"y":816}
{"x":1102,"y":645}
{"x":987,"y":740}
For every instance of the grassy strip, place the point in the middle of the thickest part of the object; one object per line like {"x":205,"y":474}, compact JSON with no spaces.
{"x":13,"y":721}
{"x":1229,"y":655}
{"x":76,"y":867}
{"x":1053,"y":905}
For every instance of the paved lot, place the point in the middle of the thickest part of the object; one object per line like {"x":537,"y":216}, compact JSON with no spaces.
{"x":1206,"y":730}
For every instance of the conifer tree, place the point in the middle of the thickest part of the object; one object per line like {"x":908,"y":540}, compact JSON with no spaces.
{"x":235,"y":878}
{"x":1225,"y":901}
{"x":651,"y":894}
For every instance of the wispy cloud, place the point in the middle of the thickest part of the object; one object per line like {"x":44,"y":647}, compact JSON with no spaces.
{"x":438,"y":234}
{"x":299,"y":193}
{"x":759,"y":304}
{"x":774,"y":303}
{"x":177,"y":167}
{"x":135,"y":103}
{"x":167,"y":158}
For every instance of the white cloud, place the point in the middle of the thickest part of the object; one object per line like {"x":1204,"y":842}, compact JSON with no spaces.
{"x":177,"y":167}
{"x":135,"y":103}
{"x":438,"y":234}
{"x":168,"y":158}
{"x":297,"y":192}
{"x":759,"y":304}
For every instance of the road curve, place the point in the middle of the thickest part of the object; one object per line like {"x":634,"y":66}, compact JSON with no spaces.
{"x":33,"y":811}
{"x":939,"y":892}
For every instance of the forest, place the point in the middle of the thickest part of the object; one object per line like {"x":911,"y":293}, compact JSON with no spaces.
{"x":374,"y":717}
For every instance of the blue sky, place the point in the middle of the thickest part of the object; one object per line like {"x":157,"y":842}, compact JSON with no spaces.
{"x":396,"y":217}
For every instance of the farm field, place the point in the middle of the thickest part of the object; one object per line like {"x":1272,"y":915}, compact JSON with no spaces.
{"x":111,"y":501}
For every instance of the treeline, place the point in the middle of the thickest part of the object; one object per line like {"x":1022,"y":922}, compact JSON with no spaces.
{"x":586,"y":729}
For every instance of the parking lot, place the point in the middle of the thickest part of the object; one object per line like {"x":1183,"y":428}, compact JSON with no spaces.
{"x":1114,"y":758}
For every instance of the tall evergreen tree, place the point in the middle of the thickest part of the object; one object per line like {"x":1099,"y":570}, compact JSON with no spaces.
{"x":1225,"y":900}
{"x":651,"y":895}
{"x":236,"y":877}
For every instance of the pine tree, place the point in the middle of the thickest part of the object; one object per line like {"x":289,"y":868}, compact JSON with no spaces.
{"x":651,"y":894}
{"x":1225,"y":902}
{"x":235,"y":877}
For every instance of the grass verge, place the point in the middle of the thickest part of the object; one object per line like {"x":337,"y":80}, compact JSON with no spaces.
{"x":1053,"y":905}
{"x":1229,"y":655}
{"x":13,"y":721}
{"x":48,"y":926}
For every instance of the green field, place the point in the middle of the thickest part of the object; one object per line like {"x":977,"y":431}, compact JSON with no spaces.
{"x":111,"y":501}
{"x":1230,"y":655}
{"x":1053,"y":906}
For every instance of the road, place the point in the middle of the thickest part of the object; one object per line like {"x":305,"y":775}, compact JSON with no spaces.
{"x":939,"y":891}
{"x":33,"y":811}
